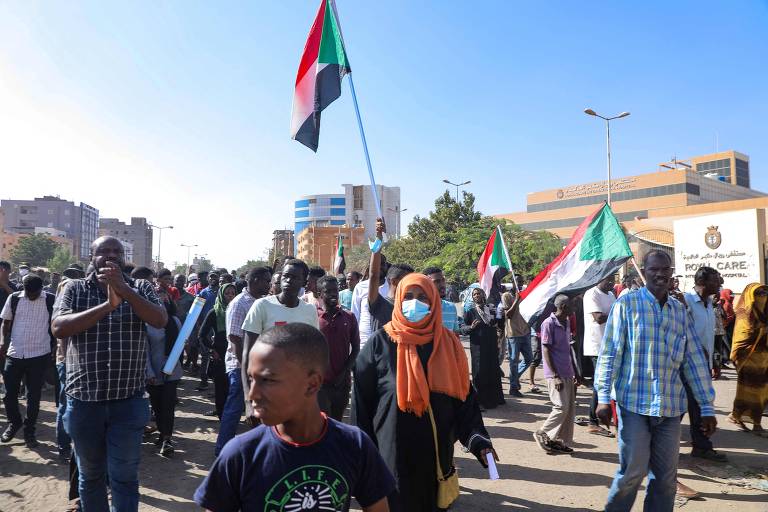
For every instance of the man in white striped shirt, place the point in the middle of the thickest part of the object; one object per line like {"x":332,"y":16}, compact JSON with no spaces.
{"x":26,"y":351}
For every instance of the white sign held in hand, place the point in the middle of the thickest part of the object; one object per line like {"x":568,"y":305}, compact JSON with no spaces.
{"x":493,"y":472}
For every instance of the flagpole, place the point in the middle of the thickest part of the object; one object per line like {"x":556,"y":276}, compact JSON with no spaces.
{"x":365,"y":149}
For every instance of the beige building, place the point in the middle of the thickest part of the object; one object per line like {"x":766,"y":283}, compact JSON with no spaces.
{"x":317,"y":245}
{"x":282,"y":243}
{"x":644,"y":196}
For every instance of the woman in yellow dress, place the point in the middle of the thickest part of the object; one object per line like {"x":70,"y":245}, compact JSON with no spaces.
{"x":749,"y":352}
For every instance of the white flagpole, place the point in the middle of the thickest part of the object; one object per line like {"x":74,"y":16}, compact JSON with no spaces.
{"x":374,"y":191}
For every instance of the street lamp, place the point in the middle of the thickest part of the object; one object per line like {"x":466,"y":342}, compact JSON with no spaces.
{"x":159,"y":239}
{"x":188,"y":246}
{"x":607,"y":120}
{"x":457,"y":185}
{"x":397,"y":212}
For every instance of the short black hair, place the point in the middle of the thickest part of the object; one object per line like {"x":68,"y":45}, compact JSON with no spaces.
{"x":301,"y":343}
{"x":32,"y":283}
{"x":431,"y":270}
{"x":256,"y":272}
{"x":296,"y":263}
{"x":202,"y":273}
{"x":398,"y":270}
{"x":655,"y":254}
{"x":4,"y":264}
{"x":356,"y":274}
{"x":163,"y":272}
{"x":316,"y":272}
{"x":703,"y":273}
{"x":211,"y":273}
{"x":142,"y":273}
{"x":325,"y":280}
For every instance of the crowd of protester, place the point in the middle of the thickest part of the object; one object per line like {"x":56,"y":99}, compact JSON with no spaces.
{"x":291,"y":349}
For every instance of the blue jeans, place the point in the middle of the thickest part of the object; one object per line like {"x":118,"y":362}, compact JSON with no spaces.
{"x":63,"y":440}
{"x":233,"y":410}
{"x":516,"y":346}
{"x":647,"y":446}
{"x":107,"y":437}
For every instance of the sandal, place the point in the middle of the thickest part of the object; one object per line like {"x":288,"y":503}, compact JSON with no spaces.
{"x":731,"y":418}
{"x":535,"y":389}
{"x":600,"y":431}
{"x":559,"y":446}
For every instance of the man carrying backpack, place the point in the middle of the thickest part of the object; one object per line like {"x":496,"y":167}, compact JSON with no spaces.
{"x":25,"y":350}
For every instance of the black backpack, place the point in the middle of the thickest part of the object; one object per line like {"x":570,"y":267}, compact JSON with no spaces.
{"x":49,"y":300}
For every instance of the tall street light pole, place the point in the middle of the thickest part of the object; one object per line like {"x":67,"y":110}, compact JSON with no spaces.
{"x":607,"y":120}
{"x":159,"y":239}
{"x":188,"y":246}
{"x":397,"y":212}
{"x":457,"y":185}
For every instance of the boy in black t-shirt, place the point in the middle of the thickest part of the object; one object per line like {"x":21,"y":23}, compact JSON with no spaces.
{"x":297,"y":459}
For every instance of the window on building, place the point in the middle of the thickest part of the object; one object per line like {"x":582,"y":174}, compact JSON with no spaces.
{"x":357,"y":197}
{"x":66,"y":211}
{"x":67,"y":225}
{"x":50,"y":211}
{"x":50,"y":224}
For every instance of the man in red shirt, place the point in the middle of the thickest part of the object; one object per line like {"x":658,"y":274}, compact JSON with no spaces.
{"x":341,"y":332}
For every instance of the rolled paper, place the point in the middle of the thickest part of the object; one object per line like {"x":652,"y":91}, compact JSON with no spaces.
{"x":186,"y":330}
{"x":493,"y":472}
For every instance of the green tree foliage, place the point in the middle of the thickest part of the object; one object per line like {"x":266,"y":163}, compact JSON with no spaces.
{"x":357,"y":257}
{"x":34,"y":250}
{"x":179,"y":268}
{"x":60,"y":260}
{"x":251,"y":264}
{"x":453,"y":237}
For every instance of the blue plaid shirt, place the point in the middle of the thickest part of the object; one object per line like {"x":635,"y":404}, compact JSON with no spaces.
{"x":645,"y":353}
{"x":450,"y":317}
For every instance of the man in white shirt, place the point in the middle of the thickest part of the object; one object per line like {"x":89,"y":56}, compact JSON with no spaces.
{"x":281,"y":309}
{"x":360,"y":302}
{"x":25,"y":352}
{"x":597,"y":304}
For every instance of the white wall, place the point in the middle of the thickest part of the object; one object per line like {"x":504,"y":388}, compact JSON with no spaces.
{"x":739,"y":257}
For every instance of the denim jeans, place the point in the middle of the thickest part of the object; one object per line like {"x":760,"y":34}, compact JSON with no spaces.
{"x":649,"y":446}
{"x":233,"y":410}
{"x":107,"y":437}
{"x":32,"y":370}
{"x":63,"y":441}
{"x":516,"y":346}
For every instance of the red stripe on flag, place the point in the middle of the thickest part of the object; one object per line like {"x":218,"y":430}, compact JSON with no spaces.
{"x":312,"y":48}
{"x":575,"y":239}
{"x":483,"y":263}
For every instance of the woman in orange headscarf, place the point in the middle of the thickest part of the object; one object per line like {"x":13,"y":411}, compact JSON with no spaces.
{"x":749,"y":352}
{"x":410,"y":366}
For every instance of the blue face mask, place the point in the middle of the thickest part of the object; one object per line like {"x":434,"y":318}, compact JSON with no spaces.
{"x":414,"y":310}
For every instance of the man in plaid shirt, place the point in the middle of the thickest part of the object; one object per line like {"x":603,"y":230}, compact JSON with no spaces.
{"x":104,"y":316}
{"x":649,"y":345}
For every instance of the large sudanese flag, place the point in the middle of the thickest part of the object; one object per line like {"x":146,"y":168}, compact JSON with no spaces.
{"x":597,"y":249}
{"x":494,"y":263}
{"x":318,"y":82}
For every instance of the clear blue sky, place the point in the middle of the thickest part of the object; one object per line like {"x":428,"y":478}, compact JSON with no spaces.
{"x":179,"y":111}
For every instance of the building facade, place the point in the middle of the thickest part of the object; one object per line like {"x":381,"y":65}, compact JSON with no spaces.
{"x":355,"y":207}
{"x":138,"y":233}
{"x":283,"y":243}
{"x":80,"y":223}
{"x":561,"y":210}
{"x":317,"y":245}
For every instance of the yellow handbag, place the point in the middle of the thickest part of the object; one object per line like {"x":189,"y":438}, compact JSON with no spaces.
{"x":447,"y":486}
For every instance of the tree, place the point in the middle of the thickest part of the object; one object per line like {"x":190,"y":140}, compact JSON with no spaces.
{"x":453,"y":237}
{"x":61,"y":260}
{"x":179,"y":268}
{"x":251,"y":264}
{"x":357,"y":257}
{"x":34,"y":250}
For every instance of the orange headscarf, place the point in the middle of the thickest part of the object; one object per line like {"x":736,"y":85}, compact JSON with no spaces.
{"x":447,"y":366}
